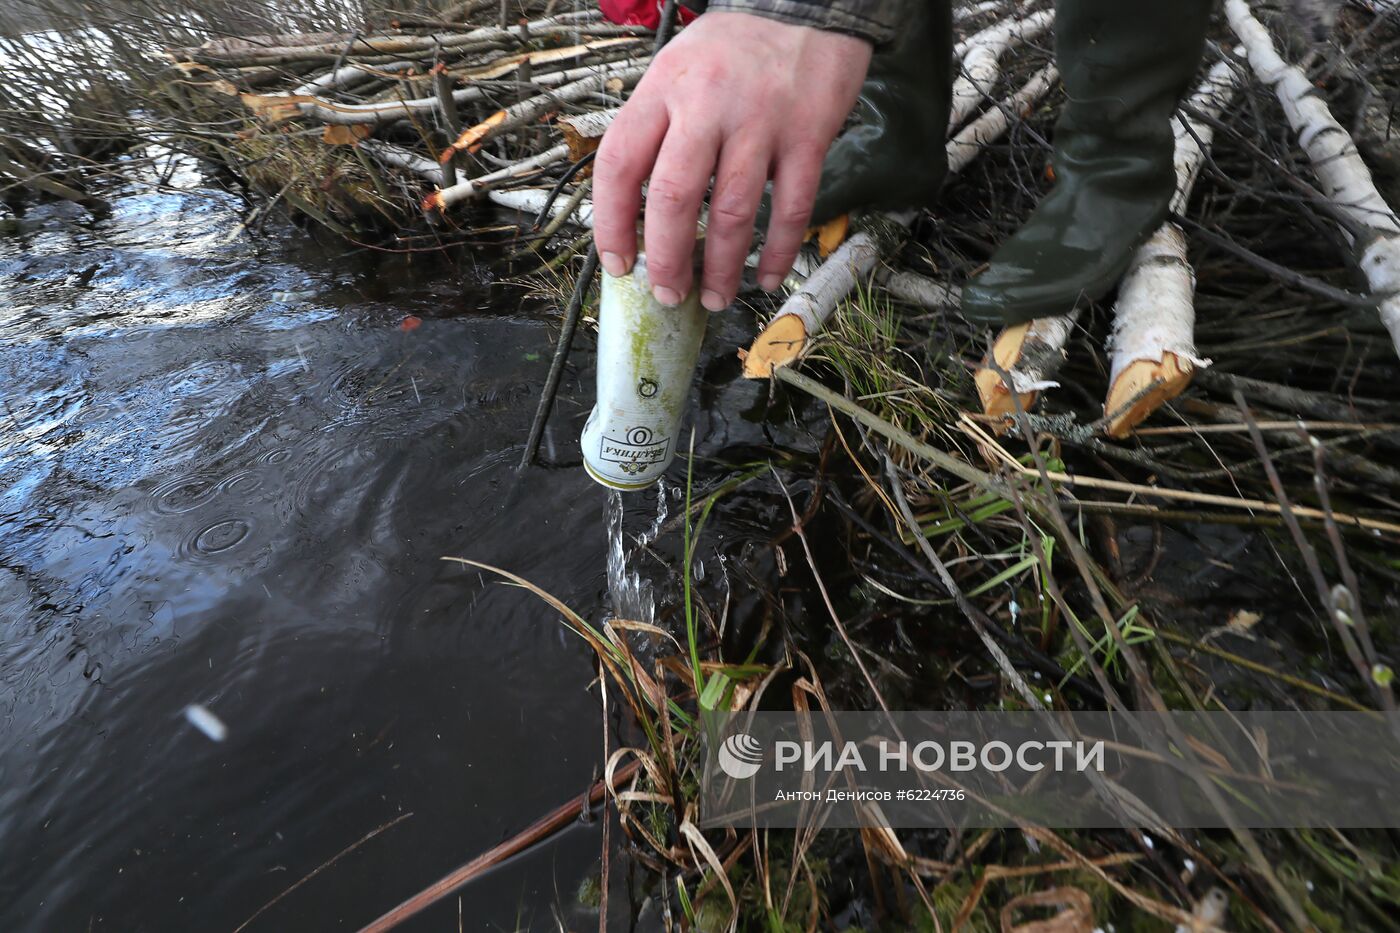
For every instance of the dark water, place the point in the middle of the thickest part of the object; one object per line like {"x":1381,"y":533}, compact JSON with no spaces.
{"x":227,"y":478}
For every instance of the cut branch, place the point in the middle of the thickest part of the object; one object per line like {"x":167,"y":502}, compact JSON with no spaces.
{"x":532,"y":201}
{"x":811,"y":305}
{"x":442,"y":200}
{"x":535,"y":107}
{"x":402,"y":158}
{"x":328,"y":111}
{"x":1335,"y":161}
{"x":981,"y":61}
{"x":1154,"y":318}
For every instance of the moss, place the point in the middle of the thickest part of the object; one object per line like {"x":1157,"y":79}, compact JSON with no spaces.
{"x":590,"y":892}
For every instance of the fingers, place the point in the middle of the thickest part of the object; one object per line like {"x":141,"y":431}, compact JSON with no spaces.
{"x":795,"y":180}
{"x":677,"y":188}
{"x":739,"y":180}
{"x":624,"y":161}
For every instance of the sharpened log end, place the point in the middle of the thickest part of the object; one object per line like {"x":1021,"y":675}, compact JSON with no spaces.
{"x":1143,"y":387}
{"x":998,"y":401}
{"x":779,"y":344}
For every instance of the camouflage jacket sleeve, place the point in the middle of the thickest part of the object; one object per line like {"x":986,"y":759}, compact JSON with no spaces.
{"x":874,"y":20}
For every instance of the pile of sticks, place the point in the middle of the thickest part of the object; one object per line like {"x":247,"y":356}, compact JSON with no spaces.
{"x":1153,"y":352}
{"x":500,"y":103}
{"x":425,"y":115}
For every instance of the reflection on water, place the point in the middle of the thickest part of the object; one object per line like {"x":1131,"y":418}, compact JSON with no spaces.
{"x":227,"y":477}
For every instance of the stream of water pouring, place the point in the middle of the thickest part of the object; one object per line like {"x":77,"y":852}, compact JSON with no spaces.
{"x":631,"y":596}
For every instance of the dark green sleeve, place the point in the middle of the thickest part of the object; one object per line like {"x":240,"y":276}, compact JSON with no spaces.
{"x":874,"y":20}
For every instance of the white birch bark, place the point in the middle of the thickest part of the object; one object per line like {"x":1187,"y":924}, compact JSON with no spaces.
{"x":530,"y":200}
{"x":1155,"y":313}
{"x":972,"y":11}
{"x":402,"y":158}
{"x":992,"y":125}
{"x":1335,"y":161}
{"x":328,"y":111}
{"x":817,"y":298}
{"x":443,"y":199}
{"x":981,"y":62}
{"x":628,"y":73}
{"x":915,"y":289}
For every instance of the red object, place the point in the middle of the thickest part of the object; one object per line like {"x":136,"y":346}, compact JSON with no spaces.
{"x":639,"y":12}
{"x":410,"y":323}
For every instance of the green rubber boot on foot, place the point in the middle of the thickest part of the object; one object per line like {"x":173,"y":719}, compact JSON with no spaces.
{"x":895,"y":156}
{"x":1124,"y":66}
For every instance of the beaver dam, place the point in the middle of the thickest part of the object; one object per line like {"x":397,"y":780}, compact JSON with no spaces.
{"x":1185,"y":497}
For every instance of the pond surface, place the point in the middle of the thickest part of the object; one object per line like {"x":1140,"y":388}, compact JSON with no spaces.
{"x":228,"y":474}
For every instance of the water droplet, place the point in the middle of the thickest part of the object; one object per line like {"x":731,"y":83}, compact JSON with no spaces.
{"x":183,"y":495}
{"x":221,"y":536}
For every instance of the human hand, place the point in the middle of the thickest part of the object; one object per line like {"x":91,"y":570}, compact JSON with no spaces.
{"x":740,"y":98}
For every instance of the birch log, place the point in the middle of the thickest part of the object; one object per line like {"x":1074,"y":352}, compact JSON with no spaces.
{"x":1154,"y":319}
{"x":402,"y":158}
{"x":583,"y":132}
{"x":349,"y":74}
{"x":1030,"y":354}
{"x":443,"y":199}
{"x":1335,"y":161}
{"x":915,"y":289}
{"x":807,"y":309}
{"x":532,"y":201}
{"x":534,"y":107}
{"x":335,"y":113}
{"x":972,"y":11}
{"x":981,"y":62}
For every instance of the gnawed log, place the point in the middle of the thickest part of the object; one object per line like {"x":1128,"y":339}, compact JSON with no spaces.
{"x":1030,"y":354}
{"x":806,"y":310}
{"x":583,"y":132}
{"x":1154,"y":349}
{"x":1153,"y":343}
{"x":817,"y":299}
{"x":1335,"y":161}
{"x":535,"y":107}
{"x":1154,"y":319}
{"x":472,"y":187}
